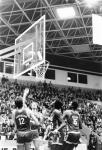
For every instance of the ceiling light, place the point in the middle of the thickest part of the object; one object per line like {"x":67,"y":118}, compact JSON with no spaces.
{"x":65,"y":12}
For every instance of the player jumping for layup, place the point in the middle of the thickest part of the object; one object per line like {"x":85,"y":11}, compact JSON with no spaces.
{"x":35,"y":128}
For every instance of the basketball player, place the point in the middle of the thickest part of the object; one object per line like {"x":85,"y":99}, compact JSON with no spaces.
{"x":21,"y":117}
{"x":34,"y":127}
{"x":74,"y":124}
{"x":57,"y":114}
{"x":55,"y":139}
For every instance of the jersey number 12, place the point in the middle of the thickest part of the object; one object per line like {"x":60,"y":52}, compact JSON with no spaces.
{"x":21,"y":121}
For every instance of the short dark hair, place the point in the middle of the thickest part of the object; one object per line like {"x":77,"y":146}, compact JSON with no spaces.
{"x":58,"y":104}
{"x":46,"y":105}
{"x":19,"y":103}
{"x":74,"y":105}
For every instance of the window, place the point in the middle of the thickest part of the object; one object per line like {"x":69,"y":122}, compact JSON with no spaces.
{"x":9,"y":68}
{"x":1,"y":66}
{"x":82,"y":78}
{"x":72,"y":77}
{"x":29,"y":73}
{"x":50,"y":74}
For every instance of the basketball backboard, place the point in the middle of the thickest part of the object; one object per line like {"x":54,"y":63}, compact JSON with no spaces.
{"x":32,"y":54}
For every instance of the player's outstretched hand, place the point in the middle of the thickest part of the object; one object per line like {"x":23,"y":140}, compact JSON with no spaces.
{"x":26,"y":91}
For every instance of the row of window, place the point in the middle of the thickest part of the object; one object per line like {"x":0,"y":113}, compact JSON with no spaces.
{"x":50,"y":74}
{"x":7,"y":68}
{"x":77,"y":78}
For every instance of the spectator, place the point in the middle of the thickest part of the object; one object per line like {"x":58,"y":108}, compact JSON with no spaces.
{"x":3,"y":79}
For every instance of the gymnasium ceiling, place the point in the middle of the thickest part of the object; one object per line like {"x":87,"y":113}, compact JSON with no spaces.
{"x":71,"y":37}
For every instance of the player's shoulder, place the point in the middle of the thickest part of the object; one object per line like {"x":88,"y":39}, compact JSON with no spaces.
{"x":67,"y":111}
{"x":76,"y":112}
{"x":56,"y":111}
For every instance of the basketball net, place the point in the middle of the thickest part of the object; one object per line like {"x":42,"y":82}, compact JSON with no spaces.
{"x":41,"y":70}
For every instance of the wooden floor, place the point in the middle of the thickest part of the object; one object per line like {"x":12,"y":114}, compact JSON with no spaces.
{"x":12,"y":145}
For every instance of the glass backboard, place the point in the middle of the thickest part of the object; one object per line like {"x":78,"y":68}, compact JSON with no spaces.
{"x":32,"y":54}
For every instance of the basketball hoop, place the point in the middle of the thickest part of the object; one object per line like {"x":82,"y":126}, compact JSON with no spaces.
{"x":41,"y":70}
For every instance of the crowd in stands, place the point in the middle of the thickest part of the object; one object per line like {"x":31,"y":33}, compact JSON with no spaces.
{"x":45,"y":94}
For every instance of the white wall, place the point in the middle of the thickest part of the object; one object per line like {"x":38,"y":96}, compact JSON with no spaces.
{"x":94,"y":82}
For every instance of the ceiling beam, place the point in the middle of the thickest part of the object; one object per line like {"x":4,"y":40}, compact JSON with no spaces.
{"x":43,"y":7}
{"x":2,"y":43}
{"x":7,"y":24}
{"x":62,"y":47}
{"x":69,"y":37}
{"x":8,"y":49}
{"x":61,"y":38}
{"x":22,"y":11}
{"x":56,"y":22}
{"x":82,"y":20}
{"x":93,"y":56}
{"x":26,"y":23}
{"x":52,"y":19}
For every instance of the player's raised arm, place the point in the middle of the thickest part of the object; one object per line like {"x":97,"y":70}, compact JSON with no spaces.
{"x":26,"y":91}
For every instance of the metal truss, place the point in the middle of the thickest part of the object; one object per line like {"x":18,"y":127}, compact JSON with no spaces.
{"x":17,"y":15}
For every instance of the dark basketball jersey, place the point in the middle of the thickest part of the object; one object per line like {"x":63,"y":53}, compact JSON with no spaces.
{"x":73,"y":119}
{"x":22,"y":120}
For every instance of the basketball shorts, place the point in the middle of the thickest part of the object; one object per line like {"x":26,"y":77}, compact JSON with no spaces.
{"x":34,"y":129}
{"x":24,"y":137}
{"x":73,"y":137}
{"x":56,"y":146}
